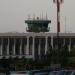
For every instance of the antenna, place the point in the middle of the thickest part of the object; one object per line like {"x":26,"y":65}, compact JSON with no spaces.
{"x":46,"y":16}
{"x":33,"y":16}
{"x":42,"y":16}
{"x":28,"y":16}
{"x":65,"y":24}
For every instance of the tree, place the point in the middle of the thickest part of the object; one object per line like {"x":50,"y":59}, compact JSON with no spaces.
{"x":72,"y":52}
{"x":58,"y":56}
{"x":72,"y":57}
{"x":64,"y":55}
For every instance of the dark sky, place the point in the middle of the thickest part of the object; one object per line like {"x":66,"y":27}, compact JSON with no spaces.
{"x":13,"y":13}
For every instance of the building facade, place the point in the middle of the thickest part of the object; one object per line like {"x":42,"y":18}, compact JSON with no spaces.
{"x":32,"y":45}
{"x":16,"y":48}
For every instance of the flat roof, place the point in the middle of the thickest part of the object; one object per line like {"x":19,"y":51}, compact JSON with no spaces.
{"x":37,"y":21}
{"x":38,"y":34}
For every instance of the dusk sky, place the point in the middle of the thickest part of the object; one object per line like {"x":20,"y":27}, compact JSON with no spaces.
{"x":13,"y":13}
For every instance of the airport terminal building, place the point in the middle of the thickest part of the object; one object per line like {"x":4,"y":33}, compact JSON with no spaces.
{"x":32,"y":45}
{"x":35,"y":43}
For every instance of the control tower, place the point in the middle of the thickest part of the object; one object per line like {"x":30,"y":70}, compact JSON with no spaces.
{"x":37,"y":25}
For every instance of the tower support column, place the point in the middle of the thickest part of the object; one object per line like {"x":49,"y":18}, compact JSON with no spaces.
{"x":46,"y":44}
{"x":39,"y":50}
{"x":14,"y":47}
{"x":21,"y":46}
{"x":1,"y":47}
{"x":69,"y":44}
{"x":64,"y":42}
{"x":52,"y":42}
{"x":8,"y":47}
{"x":33,"y":52}
{"x":27,"y":50}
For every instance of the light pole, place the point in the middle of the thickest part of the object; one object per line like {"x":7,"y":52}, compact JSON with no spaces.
{"x":58,"y":2}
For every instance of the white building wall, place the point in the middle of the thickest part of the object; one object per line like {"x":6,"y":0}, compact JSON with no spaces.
{"x":27,"y":35}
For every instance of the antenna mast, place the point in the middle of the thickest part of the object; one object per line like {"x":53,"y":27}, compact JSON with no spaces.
{"x":58,"y":2}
